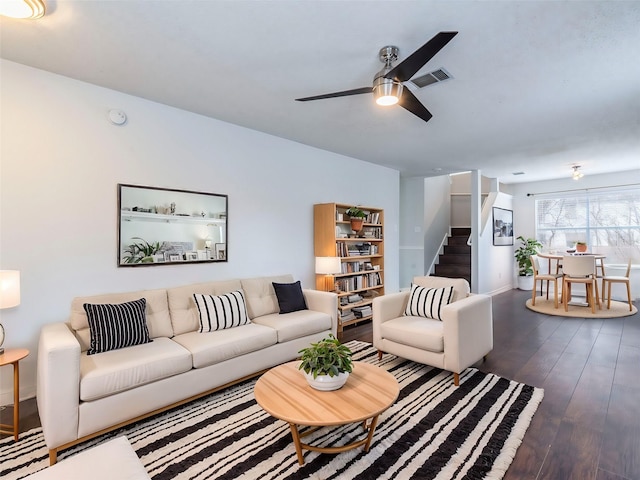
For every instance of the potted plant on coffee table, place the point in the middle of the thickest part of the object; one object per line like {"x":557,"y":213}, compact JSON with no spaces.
{"x":326,"y":364}
{"x":356,"y":216}
{"x":523,"y":254}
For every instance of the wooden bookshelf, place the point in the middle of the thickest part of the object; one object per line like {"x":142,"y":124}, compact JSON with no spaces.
{"x":361,"y":258}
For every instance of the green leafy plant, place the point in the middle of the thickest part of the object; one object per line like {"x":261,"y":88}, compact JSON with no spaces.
{"x":523,"y":254}
{"x":141,"y":252}
{"x":581,"y":243}
{"x":326,"y":357}
{"x":355,"y":212}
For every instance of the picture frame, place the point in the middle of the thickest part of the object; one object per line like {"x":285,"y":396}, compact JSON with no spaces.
{"x":173,"y":225}
{"x":502,"y":226}
{"x":221,"y":251}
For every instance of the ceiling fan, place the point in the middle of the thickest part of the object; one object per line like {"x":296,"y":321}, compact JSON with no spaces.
{"x":388,"y":83}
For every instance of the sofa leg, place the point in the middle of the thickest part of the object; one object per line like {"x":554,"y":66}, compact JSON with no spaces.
{"x":456,"y":379}
{"x":53,"y":456}
{"x":380,"y":353}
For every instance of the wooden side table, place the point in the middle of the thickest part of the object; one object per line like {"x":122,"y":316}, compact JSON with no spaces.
{"x":13,"y":357}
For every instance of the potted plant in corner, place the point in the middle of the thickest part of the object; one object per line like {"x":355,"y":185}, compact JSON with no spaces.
{"x":356,"y":216}
{"x":326,"y":364}
{"x":523,"y":254}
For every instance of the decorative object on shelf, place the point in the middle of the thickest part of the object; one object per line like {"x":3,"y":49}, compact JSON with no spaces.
{"x":328,"y":266}
{"x":176,"y":224}
{"x":523,"y":255}
{"x":356,"y":217}
{"x":9,"y":295}
{"x":502,"y":226}
{"x":581,"y":247}
{"x":326,"y":363}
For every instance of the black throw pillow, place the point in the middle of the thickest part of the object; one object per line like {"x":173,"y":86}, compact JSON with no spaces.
{"x":290,"y":297}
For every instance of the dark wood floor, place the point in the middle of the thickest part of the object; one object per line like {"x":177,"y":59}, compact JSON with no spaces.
{"x":588,"y":425}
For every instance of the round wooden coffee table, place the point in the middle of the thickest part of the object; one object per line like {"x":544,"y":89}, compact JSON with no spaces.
{"x":284,"y":393}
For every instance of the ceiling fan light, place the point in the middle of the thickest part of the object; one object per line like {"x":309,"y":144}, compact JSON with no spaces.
{"x":387,"y":92}
{"x":27,"y":9}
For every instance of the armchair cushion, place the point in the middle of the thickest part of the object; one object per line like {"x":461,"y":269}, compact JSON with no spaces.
{"x":419,"y":332}
{"x":428,"y":302}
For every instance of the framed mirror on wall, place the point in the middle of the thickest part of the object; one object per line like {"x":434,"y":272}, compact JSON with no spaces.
{"x":164,"y":226}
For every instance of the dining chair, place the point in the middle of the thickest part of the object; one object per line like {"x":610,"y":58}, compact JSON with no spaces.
{"x":580,"y":269}
{"x":542,"y":277}
{"x":610,"y":279}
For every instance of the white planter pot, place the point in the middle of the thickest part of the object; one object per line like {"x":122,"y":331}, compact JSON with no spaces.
{"x":325,"y":382}
{"x":525,"y":283}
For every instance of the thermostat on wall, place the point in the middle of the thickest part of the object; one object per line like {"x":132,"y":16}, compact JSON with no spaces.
{"x":117,"y":117}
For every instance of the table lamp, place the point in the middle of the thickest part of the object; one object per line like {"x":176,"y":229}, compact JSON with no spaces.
{"x":328,"y":266}
{"x":9,"y":295}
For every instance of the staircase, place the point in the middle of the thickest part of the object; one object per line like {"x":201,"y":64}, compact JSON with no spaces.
{"x":456,"y":259}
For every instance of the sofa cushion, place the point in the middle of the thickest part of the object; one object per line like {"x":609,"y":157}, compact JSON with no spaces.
{"x":116,"y":326}
{"x":218,"y":312}
{"x":214,"y":347}
{"x":428,"y":302}
{"x":184,"y":313}
{"x":157,"y":313}
{"x":418,"y":332}
{"x":260,"y":295}
{"x":295,"y":324}
{"x":119,"y":370}
{"x":290,"y":297}
{"x":461,"y":287}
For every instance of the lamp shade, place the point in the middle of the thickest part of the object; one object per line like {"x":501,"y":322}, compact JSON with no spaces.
{"x":328,"y":265}
{"x":9,"y":288}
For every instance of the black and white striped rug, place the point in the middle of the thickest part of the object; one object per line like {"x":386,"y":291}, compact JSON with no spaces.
{"x":434,"y":431}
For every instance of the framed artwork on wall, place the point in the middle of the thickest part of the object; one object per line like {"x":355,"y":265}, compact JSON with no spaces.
{"x":502,"y":226}
{"x":161,"y":226}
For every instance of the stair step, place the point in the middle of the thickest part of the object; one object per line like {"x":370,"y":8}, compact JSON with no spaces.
{"x":457,"y":259}
{"x":454,"y":271}
{"x":460,"y":249}
{"x":458,"y":240}
{"x":460,"y":231}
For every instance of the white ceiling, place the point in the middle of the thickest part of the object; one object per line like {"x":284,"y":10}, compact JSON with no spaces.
{"x":538,"y":85}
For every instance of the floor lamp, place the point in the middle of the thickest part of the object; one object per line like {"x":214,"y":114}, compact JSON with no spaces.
{"x":9,"y":295}
{"x":328,"y":266}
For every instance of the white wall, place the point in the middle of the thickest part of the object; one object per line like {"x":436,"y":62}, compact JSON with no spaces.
{"x":412,"y":230}
{"x":61,"y":161}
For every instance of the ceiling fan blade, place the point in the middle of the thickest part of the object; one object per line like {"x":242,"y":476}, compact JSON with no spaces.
{"x":414,"y":62}
{"x":345,"y":93}
{"x":408,"y":101}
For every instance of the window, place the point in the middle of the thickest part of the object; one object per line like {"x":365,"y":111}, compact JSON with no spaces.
{"x":608,"y":221}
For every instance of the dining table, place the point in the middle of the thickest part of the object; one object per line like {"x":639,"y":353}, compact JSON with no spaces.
{"x":557,"y":257}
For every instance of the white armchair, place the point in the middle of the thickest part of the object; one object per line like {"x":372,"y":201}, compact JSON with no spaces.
{"x":463,"y":336}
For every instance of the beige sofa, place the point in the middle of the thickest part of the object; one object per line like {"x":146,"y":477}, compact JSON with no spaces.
{"x":82,"y":395}
{"x":463,"y":336}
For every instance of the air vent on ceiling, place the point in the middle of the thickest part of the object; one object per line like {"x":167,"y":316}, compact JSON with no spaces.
{"x":430,"y":78}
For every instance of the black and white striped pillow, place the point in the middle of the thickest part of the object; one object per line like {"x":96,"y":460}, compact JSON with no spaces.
{"x":428,"y":302}
{"x":117,"y":326}
{"x":218,"y":312}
